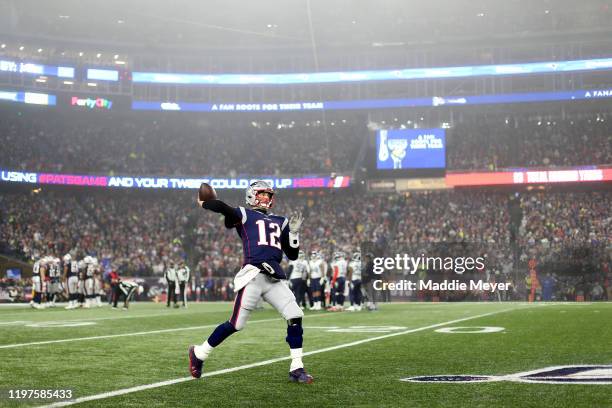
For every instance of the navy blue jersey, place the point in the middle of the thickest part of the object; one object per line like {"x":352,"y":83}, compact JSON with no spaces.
{"x":261,"y":235}
{"x":265,"y":237}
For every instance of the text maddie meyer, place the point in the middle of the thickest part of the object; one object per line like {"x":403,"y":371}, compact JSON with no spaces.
{"x":446,"y":285}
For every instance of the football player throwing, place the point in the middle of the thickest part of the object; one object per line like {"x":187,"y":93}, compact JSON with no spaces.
{"x":265,"y":237}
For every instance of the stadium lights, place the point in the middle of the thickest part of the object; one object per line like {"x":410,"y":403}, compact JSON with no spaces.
{"x":92,"y":84}
{"x":116,"y":56}
{"x":40,"y":50}
{"x":80,"y":53}
{"x":41,"y":79}
{"x":120,"y":21}
{"x":21,"y":48}
{"x":68,"y":83}
{"x":120,"y":62}
{"x":98,"y":55}
{"x":2,"y":45}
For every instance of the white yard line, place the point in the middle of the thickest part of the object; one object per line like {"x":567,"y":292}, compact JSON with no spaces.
{"x":130,"y":390}
{"x":143,"y":333}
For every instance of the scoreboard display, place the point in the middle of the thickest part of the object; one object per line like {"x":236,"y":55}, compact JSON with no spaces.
{"x":410,"y":149}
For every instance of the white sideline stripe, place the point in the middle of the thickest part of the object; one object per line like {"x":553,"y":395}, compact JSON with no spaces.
{"x":140,"y":316}
{"x":144,"y":333}
{"x":193,"y":308}
{"x":130,"y":390}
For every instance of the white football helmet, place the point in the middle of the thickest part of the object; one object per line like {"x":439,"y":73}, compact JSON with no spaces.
{"x":256,"y":187}
{"x":356,"y":256}
{"x":67,"y":258}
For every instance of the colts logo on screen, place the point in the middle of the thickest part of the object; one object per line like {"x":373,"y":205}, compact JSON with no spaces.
{"x":576,"y":374}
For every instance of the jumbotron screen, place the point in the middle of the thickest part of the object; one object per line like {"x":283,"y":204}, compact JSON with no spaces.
{"x":398,"y":149}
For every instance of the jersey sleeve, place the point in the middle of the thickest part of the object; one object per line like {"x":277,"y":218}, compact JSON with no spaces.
{"x":291,"y":246}
{"x":233,"y":216}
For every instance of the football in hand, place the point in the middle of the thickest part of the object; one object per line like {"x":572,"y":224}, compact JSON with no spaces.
{"x":207,"y":192}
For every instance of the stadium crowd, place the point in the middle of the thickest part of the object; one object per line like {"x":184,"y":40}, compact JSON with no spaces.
{"x":190,"y":147}
{"x":499,"y":141}
{"x":139,"y":234}
{"x":174,"y":146}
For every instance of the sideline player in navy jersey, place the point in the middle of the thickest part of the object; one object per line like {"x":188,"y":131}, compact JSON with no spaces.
{"x":265,"y":237}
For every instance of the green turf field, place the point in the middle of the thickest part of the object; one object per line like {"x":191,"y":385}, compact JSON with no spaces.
{"x":106,"y":351}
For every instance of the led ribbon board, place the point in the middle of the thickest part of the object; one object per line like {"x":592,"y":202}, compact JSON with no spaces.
{"x":379,"y":75}
{"x":155,"y":182}
{"x":527,"y":176}
{"x":432,"y":101}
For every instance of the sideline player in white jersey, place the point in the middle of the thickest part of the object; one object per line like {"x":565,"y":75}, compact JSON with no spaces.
{"x":182,"y":278}
{"x":38,"y":277}
{"x":317,"y":267}
{"x":338,"y":281}
{"x":354,"y":277}
{"x":89,"y":282}
{"x":71,"y":281}
{"x":98,"y":284}
{"x":299,"y":270}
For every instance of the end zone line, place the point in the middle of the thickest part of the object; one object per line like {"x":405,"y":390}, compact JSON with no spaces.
{"x":143,"y":333}
{"x":130,"y":390}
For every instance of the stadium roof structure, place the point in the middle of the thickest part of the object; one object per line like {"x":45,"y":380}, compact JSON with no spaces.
{"x":240,"y":24}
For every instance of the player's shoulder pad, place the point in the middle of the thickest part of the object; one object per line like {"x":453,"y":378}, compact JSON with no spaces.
{"x":243,"y":214}
{"x":279,"y":218}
